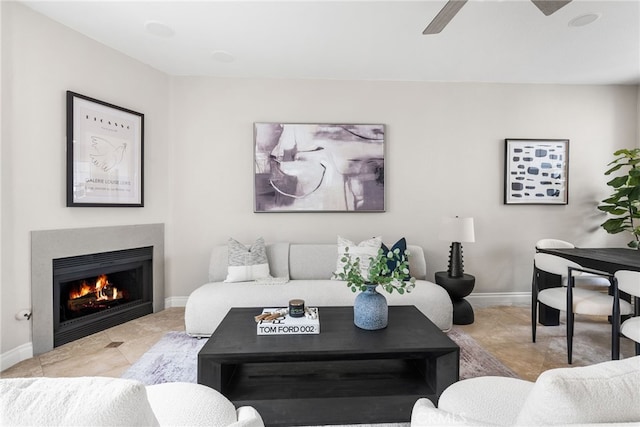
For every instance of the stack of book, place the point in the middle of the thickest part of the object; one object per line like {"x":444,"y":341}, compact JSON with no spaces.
{"x":276,"y":321}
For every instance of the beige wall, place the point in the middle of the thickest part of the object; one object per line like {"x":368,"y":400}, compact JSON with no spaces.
{"x":444,"y":156}
{"x":41,"y":61}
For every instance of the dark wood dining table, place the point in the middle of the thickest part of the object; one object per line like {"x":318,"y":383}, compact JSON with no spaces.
{"x":608,"y":260}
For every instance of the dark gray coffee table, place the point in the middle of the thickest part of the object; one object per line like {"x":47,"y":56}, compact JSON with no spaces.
{"x":344,"y":375}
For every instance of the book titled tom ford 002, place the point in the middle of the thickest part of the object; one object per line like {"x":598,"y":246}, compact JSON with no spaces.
{"x":277,"y":321}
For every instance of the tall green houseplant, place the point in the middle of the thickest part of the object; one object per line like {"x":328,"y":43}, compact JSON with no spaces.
{"x":624,"y":204}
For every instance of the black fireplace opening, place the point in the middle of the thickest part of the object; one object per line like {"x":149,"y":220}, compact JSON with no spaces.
{"x":97,"y":291}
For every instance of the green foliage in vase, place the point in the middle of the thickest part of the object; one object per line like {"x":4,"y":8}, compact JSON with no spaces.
{"x":379,"y":273}
{"x":624,"y":204}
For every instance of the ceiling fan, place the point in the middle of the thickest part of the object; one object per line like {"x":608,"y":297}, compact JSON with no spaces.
{"x":452,"y":7}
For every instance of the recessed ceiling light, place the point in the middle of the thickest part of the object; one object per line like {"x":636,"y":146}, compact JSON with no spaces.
{"x":586,"y":19}
{"x":222,"y":56}
{"x":159,"y":29}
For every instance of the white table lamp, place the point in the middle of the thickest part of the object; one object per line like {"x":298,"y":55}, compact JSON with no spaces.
{"x":457,"y":230}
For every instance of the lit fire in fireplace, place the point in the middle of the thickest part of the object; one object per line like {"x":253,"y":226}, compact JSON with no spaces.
{"x":93,"y":295}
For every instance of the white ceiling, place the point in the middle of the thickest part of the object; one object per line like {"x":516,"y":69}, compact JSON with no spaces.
{"x":508,"y":41}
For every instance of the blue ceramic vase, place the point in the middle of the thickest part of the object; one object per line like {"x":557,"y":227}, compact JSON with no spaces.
{"x":370,"y":310}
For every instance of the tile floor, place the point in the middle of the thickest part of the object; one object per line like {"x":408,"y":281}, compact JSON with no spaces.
{"x":108,"y":353}
{"x":504,"y":331}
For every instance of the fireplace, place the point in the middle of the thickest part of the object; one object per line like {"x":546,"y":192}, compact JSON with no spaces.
{"x":97,"y":291}
{"x":49,"y":245}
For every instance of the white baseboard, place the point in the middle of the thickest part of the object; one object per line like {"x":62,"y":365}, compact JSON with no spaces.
{"x":175,"y":302}
{"x":486,"y":299}
{"x":16,"y":355}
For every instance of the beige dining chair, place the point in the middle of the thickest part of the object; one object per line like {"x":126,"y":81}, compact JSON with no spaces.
{"x":571,"y":298}
{"x":586,"y":279}
{"x":629,"y":282}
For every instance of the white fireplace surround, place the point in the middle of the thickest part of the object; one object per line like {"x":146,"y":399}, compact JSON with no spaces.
{"x":47,"y":245}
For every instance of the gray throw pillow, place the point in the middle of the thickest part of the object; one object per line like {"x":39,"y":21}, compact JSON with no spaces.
{"x":246,"y":264}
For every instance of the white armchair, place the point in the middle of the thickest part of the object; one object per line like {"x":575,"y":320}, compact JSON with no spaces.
{"x":199,"y":405}
{"x":101,"y":401}
{"x":605,"y":393}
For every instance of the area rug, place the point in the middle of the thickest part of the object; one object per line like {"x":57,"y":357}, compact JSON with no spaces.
{"x":475,"y":361}
{"x":175,"y":358}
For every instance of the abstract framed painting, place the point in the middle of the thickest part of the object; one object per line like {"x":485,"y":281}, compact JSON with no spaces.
{"x":536,"y":171}
{"x":319,"y":167}
{"x":105,"y":152}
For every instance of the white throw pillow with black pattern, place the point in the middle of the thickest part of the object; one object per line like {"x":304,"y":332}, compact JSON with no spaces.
{"x":247,"y":263}
{"x":363,"y":250}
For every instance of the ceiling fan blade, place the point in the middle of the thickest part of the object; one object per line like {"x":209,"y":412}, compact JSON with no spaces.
{"x":444,"y":16}
{"x":549,"y":7}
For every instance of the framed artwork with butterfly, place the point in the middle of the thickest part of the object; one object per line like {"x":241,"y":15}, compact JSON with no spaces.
{"x":105,"y":154}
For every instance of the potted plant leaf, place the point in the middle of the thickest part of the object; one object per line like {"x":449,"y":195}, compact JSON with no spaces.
{"x":623,"y":205}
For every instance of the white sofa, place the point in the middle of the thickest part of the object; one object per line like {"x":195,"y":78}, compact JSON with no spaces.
{"x":302,"y":271}
{"x":607,"y":393}
{"x":101,"y":401}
